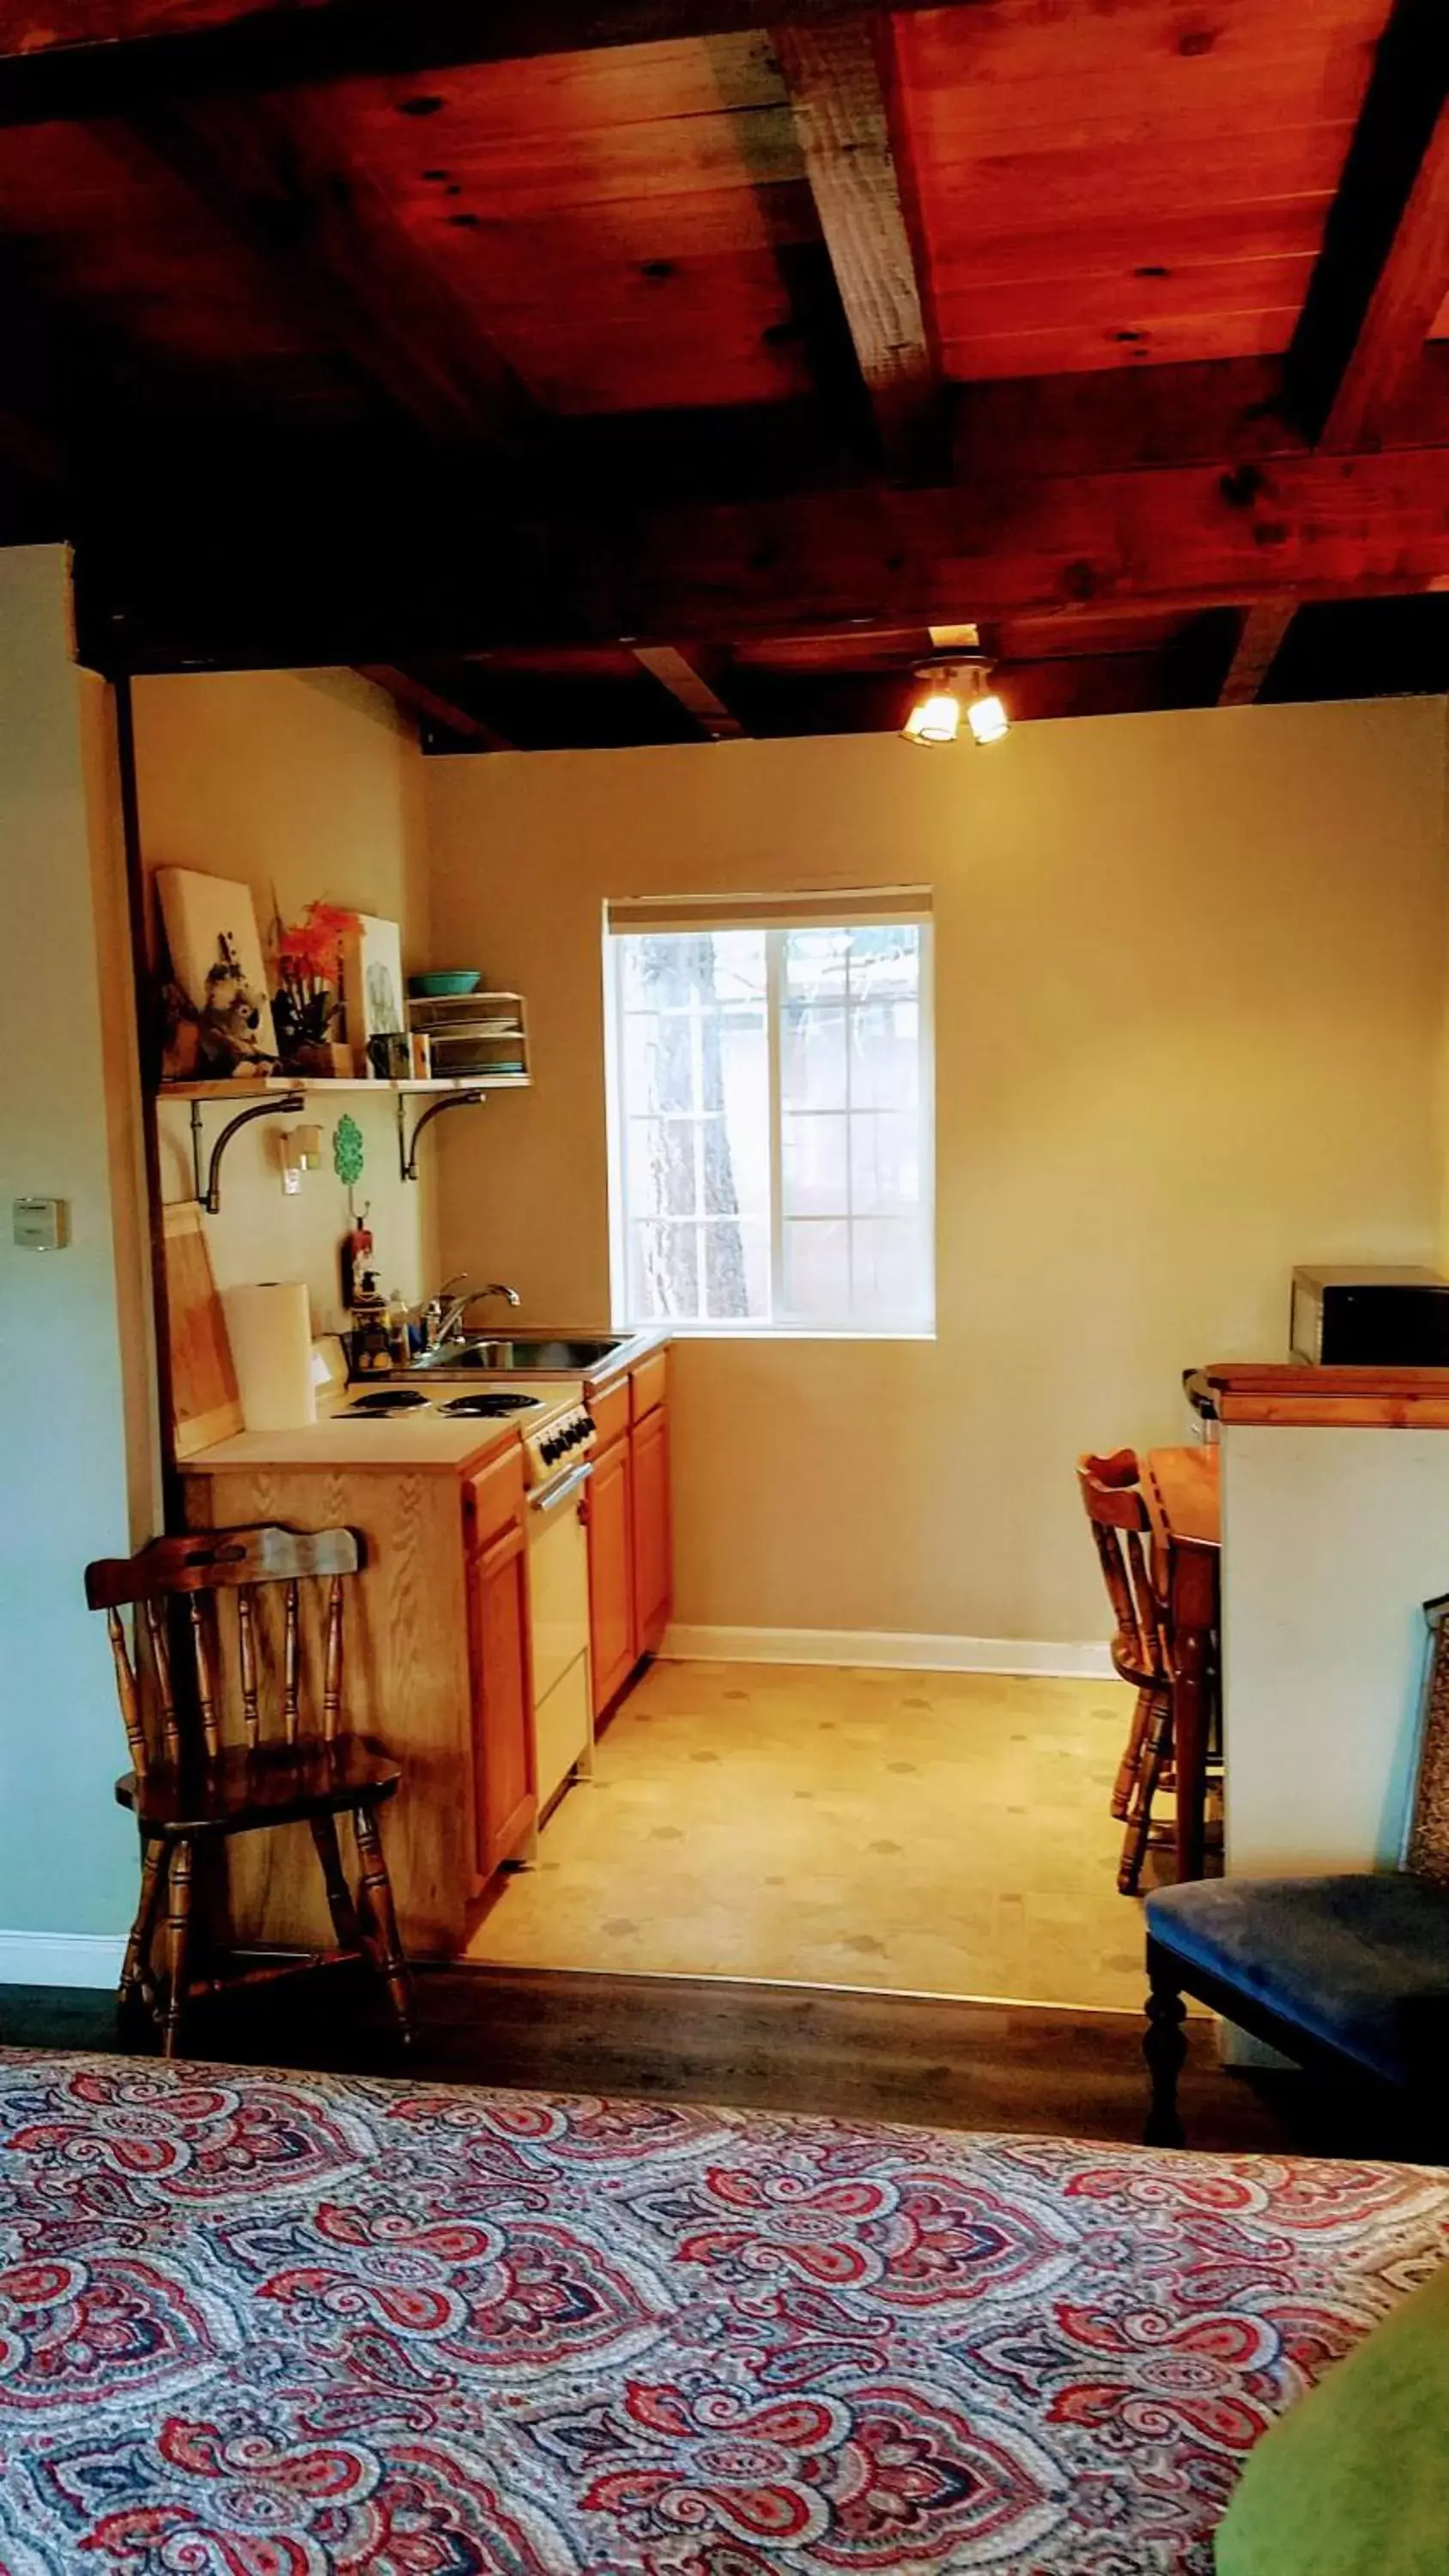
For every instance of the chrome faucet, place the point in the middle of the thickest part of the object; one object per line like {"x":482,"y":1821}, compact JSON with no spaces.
{"x":444,"y":1313}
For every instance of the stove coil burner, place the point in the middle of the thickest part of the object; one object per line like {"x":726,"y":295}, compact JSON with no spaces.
{"x":491,"y":1408}
{"x":393,"y":1399}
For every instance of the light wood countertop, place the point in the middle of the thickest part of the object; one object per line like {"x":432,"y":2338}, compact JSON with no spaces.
{"x":400,"y":1442}
{"x":1289,"y":1393}
{"x":430,"y":1440}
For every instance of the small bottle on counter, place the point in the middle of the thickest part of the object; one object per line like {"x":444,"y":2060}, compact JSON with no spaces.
{"x":399,"y":1340}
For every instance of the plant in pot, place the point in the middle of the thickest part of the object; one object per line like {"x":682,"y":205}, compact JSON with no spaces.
{"x":307,"y":1009}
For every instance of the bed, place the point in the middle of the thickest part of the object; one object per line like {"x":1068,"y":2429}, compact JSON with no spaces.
{"x":264,"y":2324}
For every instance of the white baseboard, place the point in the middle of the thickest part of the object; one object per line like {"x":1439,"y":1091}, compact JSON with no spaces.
{"x":906,"y":1652}
{"x":61,"y":1958}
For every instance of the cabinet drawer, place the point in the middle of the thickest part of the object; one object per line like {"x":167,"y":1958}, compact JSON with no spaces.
{"x":649,"y":1383}
{"x":493,"y":1497}
{"x":611,"y":1412}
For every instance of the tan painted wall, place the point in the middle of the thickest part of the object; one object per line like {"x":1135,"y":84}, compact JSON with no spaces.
{"x":300,"y":785}
{"x":1189,"y":990}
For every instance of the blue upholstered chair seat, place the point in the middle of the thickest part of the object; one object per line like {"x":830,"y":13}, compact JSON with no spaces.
{"x":1360,"y":1964}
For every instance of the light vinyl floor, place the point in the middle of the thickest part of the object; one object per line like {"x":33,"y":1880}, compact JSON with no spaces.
{"x":933,"y":1833}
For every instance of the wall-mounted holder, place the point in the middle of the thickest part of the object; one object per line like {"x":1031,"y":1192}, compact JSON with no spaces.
{"x":286,"y":1104}
{"x":407,"y":1153}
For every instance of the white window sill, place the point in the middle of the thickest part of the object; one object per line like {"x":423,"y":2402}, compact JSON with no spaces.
{"x":687,"y":1332}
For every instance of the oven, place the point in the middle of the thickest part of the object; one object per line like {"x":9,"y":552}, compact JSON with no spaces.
{"x":557,"y":1471}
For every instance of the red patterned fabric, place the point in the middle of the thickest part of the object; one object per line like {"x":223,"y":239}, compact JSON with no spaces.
{"x":258,"y":2324}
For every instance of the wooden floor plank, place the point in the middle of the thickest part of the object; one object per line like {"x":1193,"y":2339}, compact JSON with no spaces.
{"x":815,"y":2050}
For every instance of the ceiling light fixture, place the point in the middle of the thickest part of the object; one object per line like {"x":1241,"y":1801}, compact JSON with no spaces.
{"x":954,"y":686}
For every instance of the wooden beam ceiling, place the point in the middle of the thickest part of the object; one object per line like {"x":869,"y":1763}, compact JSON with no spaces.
{"x":265,"y":168}
{"x":1222,"y":535}
{"x":1383,"y":271}
{"x":833,"y":74}
{"x":685,"y":681}
{"x":429,"y":703}
{"x":1256,"y":650}
{"x":99,"y":58}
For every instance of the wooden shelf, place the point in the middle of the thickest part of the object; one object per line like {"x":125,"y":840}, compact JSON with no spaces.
{"x":319,"y":1086}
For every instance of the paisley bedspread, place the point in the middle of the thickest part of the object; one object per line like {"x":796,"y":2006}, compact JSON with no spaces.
{"x":258,"y":2324}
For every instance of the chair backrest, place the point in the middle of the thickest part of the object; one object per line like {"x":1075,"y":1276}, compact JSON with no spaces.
{"x":1428,"y":1852}
{"x":178,"y":1586}
{"x":1111,"y":1491}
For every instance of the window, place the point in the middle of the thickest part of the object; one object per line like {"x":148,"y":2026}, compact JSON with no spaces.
{"x":770,"y":1114}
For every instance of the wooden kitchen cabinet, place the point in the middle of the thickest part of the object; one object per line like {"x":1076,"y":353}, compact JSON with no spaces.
{"x":505,"y":1800}
{"x":439,"y":1675}
{"x":611,"y":1571}
{"x":630,"y":1551}
{"x":653,"y":1570}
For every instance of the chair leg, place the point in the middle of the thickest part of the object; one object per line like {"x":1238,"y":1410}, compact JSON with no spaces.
{"x":178,"y":1943}
{"x":138,"y":1948}
{"x":1129,"y":1768}
{"x":378,"y":1907}
{"x":1165,"y":2049}
{"x":339,"y":1896}
{"x":1154,"y":1762}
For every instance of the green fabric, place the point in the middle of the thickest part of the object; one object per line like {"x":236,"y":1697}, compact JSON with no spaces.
{"x":1354,"y":2481}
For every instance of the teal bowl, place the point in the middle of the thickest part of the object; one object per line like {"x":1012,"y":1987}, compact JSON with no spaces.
{"x":446,"y":982}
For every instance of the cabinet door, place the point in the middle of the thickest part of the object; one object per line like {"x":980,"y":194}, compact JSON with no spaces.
{"x":653,"y":1569}
{"x":611,"y":1573}
{"x":502,"y":1699}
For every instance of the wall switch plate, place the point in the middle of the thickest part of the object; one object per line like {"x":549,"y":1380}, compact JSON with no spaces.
{"x":41,"y":1225}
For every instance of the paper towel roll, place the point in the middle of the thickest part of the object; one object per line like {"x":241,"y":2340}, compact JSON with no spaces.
{"x":270,"y":1329}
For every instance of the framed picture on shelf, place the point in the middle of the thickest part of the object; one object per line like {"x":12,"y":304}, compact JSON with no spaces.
{"x":218,"y":1016}
{"x":372,"y":989}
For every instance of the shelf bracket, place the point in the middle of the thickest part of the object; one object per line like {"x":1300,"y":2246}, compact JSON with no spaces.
{"x":407,"y":1153}
{"x":285,"y":1104}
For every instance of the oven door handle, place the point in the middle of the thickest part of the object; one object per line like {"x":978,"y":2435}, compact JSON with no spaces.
{"x":549,"y":1496}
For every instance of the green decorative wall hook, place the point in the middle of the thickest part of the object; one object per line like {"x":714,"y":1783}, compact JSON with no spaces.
{"x":347,"y":1153}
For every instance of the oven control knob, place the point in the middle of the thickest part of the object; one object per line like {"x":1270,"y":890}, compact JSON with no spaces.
{"x":550,"y":1452}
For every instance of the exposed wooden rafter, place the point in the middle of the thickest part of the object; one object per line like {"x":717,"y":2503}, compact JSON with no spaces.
{"x":677,"y":673}
{"x":1383,"y":271}
{"x":264,"y":167}
{"x":1259,"y":638}
{"x":422,"y":699}
{"x":1187,"y":538}
{"x":95,"y":58}
{"x":833,"y":74}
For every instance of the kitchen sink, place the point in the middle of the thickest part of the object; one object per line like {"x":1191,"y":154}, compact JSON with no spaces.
{"x":561,"y":1355}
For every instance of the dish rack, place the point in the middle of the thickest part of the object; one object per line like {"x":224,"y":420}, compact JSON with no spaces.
{"x":475,"y":1037}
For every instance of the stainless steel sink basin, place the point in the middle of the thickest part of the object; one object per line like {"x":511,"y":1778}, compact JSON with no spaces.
{"x":560,"y":1355}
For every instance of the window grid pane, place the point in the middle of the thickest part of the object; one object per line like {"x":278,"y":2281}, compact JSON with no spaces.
{"x":770,"y":1138}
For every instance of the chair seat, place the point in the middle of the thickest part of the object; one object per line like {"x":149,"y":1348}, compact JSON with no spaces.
{"x":277,"y":1784}
{"x":1359,"y":1963}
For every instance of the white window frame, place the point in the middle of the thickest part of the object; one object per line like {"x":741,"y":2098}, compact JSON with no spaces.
{"x":620,"y":922}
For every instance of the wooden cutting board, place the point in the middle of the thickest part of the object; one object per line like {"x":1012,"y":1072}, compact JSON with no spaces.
{"x":205,"y":1405}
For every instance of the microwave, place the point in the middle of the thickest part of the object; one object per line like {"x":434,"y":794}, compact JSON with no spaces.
{"x":1370,"y":1318}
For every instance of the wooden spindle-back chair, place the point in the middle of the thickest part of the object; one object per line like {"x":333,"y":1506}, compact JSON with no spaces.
{"x":1111,"y":1491}
{"x":212,"y":1704}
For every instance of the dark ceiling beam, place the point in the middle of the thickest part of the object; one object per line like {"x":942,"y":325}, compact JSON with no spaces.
{"x":1383,"y":270}
{"x":265,"y":169}
{"x":836,"y":79}
{"x":420,"y":698}
{"x":1259,"y":637}
{"x":1203,"y":536}
{"x":447,"y":579}
{"x":682,"y":677}
{"x":100,"y":58}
